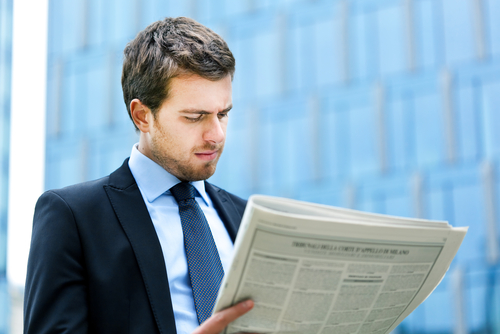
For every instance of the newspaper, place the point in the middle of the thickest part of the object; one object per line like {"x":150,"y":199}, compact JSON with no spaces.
{"x":312,"y":268}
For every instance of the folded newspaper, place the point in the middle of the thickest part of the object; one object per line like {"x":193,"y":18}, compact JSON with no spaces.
{"x":314,"y":268}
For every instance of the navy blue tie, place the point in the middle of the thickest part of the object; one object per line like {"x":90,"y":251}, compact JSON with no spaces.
{"x":204,"y":266}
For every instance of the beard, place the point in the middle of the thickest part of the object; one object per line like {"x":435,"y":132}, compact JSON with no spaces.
{"x":179,"y":164}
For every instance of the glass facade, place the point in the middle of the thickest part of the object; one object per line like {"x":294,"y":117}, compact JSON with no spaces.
{"x":5,"y":79}
{"x":379,"y":105}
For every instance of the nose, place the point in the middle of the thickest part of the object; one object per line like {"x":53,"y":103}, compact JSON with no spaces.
{"x":215,"y":131}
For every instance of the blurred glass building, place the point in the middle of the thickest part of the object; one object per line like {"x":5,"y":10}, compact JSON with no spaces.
{"x":387,"y":106}
{"x":5,"y":83}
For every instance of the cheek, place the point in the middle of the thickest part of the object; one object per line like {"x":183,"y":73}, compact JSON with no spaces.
{"x":224,"y":126}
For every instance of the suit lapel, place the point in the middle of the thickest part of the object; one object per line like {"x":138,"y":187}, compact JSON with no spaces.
{"x":133,"y":215}
{"x":225,"y":208}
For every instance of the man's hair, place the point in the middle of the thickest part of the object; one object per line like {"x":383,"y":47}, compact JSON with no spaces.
{"x":167,"y":49}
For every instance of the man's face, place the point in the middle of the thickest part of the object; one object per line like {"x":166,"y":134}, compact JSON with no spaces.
{"x":187,"y":137}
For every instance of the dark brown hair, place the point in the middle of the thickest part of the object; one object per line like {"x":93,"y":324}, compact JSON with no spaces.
{"x":167,"y":49}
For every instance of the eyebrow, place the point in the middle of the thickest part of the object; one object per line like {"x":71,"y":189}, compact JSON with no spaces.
{"x":203,"y":112}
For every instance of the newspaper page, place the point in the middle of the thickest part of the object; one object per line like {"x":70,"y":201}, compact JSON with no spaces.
{"x":309,"y":272}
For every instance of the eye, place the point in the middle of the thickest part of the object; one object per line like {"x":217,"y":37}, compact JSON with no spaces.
{"x":193,"y":119}
{"x":222,"y":115}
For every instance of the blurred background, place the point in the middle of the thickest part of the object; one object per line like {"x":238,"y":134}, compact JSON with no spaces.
{"x":388,"y":106}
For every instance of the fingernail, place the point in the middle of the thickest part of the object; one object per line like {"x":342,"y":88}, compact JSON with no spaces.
{"x":247,"y":304}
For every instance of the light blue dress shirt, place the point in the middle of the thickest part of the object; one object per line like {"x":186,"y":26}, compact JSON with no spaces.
{"x":154,"y":183}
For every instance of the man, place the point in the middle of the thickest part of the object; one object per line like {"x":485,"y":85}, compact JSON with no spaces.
{"x":114,"y":255}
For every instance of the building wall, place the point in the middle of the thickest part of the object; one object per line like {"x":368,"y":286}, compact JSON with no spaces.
{"x":380,"y":105}
{"x":5,"y":77}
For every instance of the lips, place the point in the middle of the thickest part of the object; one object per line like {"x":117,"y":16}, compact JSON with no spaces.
{"x":207,"y":155}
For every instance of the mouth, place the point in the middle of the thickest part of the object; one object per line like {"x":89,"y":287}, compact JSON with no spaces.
{"x":207,"y":155}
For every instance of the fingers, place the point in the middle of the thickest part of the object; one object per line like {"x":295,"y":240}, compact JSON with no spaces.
{"x":217,"y":322}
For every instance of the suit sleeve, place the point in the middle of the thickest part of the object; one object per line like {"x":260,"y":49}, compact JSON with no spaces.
{"x":55,"y":295}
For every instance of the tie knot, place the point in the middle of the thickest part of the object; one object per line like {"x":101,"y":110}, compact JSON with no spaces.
{"x":182,"y":191}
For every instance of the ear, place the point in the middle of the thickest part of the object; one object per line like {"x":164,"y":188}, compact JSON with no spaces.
{"x":141,"y":115}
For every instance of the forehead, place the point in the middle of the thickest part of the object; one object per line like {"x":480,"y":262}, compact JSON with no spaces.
{"x":196,"y":92}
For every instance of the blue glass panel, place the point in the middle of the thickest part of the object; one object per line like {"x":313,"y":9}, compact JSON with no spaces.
{"x":71,"y":169}
{"x":341,"y":148}
{"x":363,"y":140}
{"x":414,"y":323}
{"x":493,"y":310}
{"x":458,"y":31}
{"x":399,"y":134}
{"x":492,"y":13}
{"x":3,"y":246}
{"x":398,"y":205}
{"x":92,"y":164}
{"x":371,"y":200}
{"x":467,"y":123}
{"x":366,"y":205}
{"x":294,"y":76}
{"x":203,"y":11}
{"x":52,"y":101}
{"x":475,"y":297}
{"x":429,"y":130}
{"x":261,"y":5}
{"x":289,"y":2}
{"x":328,"y":143}
{"x":109,"y":157}
{"x":179,"y":8}
{"x":244,"y":81}
{"x":57,"y":20}
{"x":234,"y":8}
{"x":53,"y":17}
{"x":4,"y":179}
{"x":491,"y":118}
{"x":360,"y":50}
{"x":70,"y":93}
{"x":71,"y":24}
{"x":268,"y":166}
{"x":426,"y":33}
{"x":152,"y":11}
{"x":96,"y":22}
{"x":6,"y":12}
{"x":435,"y":205}
{"x":159,"y":10}
{"x":148,"y":13}
{"x":81,"y":103}
{"x":97,"y":90}
{"x":284,"y":154}
{"x":301,"y":141}
{"x":124,"y":20}
{"x":468,"y":210}
{"x":391,"y":40}
{"x":267,"y":69}
{"x":120,"y":116}
{"x":328,"y":53}
{"x":306,"y":57}
{"x":52,"y":170}
{"x":4,"y":306}
{"x":439,"y":310}
{"x":216,"y":10}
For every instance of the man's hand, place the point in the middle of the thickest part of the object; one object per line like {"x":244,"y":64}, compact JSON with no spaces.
{"x":217,"y":322}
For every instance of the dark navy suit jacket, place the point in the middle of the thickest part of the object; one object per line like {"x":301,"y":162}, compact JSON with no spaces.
{"x":95,"y":263}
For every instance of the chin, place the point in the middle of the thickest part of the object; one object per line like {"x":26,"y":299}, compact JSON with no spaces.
{"x":206,"y":176}
{"x":199,"y":175}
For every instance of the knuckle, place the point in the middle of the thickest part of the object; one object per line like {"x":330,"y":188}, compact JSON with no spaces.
{"x":220,"y":319}
{"x":200,"y":330}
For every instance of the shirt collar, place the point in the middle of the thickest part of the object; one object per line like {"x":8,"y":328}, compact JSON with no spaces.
{"x":153,"y":180}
